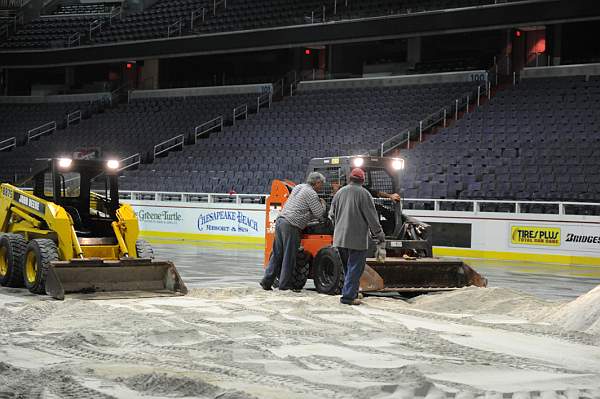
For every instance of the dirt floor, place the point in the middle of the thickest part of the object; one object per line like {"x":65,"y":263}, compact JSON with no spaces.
{"x":237,"y":341}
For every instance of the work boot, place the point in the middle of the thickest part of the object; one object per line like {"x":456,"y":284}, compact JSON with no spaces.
{"x":350,"y":301}
{"x":265,"y":285}
{"x":290,"y":289}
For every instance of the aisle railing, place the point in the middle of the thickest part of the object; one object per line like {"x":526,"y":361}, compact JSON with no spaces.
{"x":8,"y":144}
{"x":41,"y":130}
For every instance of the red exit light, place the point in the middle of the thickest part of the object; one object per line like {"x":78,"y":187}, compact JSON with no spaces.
{"x":518,"y":33}
{"x":307,"y":51}
{"x":129,"y":65}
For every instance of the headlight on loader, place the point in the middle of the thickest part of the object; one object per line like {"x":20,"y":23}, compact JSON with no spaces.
{"x":112,"y":164}
{"x":64,"y":163}
{"x":398,"y":164}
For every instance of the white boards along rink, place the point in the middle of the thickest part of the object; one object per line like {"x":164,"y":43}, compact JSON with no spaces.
{"x":564,"y":239}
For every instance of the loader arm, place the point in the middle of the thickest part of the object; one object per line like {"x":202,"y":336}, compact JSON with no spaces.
{"x":128,"y":229}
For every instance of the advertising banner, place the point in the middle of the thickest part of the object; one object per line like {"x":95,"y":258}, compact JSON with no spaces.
{"x":201,"y":221}
{"x":575,"y":238}
{"x":531,"y":235}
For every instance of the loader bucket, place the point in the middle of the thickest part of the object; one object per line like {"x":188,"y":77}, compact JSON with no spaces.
{"x":419,"y":275}
{"x":122,"y":278}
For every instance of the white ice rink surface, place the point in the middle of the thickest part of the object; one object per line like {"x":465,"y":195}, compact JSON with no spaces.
{"x":229,"y":339}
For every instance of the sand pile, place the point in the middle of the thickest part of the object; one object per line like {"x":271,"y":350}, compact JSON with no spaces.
{"x":246,"y":342}
{"x":171,"y":386}
{"x":582,"y":314}
{"x":478,"y":301}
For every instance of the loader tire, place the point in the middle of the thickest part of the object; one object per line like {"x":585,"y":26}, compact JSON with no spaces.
{"x":40,"y":253}
{"x":144,"y":249}
{"x":300,"y":273}
{"x":12,"y":249}
{"x":328,"y":271}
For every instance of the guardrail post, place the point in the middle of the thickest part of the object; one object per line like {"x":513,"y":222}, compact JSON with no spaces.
{"x":561,"y":208}
{"x":420,"y":131}
{"x":478,"y":95}
{"x":381,"y":150}
{"x":456,"y":110}
{"x":408,"y":141}
{"x":517,"y":207}
{"x":444,"y":117}
{"x":496,"y":74}
{"x":514,"y":78}
{"x":468,"y":101}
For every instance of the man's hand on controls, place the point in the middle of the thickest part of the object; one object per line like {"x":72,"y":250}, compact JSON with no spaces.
{"x":395,"y":197}
{"x":380,"y":252}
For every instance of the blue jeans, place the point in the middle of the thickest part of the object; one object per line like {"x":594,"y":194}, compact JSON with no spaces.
{"x":354,"y":265}
{"x":283,"y":255}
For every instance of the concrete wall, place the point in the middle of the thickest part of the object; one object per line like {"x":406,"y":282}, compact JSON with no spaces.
{"x":203,"y":91}
{"x":63,"y":98}
{"x":561,"y":71}
{"x":387,"y":81}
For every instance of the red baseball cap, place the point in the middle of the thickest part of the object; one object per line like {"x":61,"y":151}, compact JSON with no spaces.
{"x":358,"y":174}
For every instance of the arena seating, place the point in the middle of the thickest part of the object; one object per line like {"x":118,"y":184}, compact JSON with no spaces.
{"x":75,"y":7}
{"x":246,"y":14}
{"x":5,"y":21}
{"x":278,"y":143}
{"x":126,"y":130}
{"x":373,"y":8}
{"x":263,"y":14}
{"x":239,"y":15}
{"x":18,"y":119}
{"x":49,"y":31}
{"x":539,"y":140}
{"x":152,"y":23}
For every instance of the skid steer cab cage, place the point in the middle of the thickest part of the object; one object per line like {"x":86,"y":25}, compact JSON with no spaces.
{"x":410,"y":267}
{"x":70,"y":234}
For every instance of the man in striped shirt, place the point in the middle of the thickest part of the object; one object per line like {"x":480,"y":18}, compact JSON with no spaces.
{"x":302,"y":206}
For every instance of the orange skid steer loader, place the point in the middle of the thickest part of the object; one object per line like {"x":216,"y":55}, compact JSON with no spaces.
{"x":409,"y":266}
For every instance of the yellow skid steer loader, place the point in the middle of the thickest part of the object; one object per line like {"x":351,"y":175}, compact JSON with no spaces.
{"x":71,"y":235}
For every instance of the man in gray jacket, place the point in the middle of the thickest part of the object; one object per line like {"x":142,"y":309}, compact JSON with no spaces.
{"x":353,"y":215}
{"x":302,"y":206}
